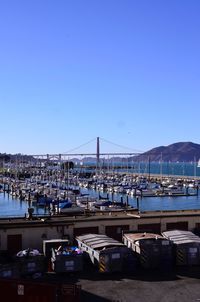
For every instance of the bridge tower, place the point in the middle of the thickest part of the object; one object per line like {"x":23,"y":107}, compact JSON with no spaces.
{"x":98,"y":153}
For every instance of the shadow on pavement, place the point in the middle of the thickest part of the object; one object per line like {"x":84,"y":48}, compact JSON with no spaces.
{"x":87,"y":297}
{"x":190,"y":272}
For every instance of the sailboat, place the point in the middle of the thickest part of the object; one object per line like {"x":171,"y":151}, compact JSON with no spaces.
{"x":198,"y":163}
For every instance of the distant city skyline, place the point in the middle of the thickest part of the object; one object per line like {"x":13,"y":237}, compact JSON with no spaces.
{"x":125,"y":71}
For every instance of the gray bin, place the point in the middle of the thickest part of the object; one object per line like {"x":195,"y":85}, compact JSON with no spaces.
{"x":9,"y":270}
{"x":67,"y":263}
{"x":187,"y":247}
{"x":31,"y":265}
{"x":154,"y":251}
{"x":66,"y":259}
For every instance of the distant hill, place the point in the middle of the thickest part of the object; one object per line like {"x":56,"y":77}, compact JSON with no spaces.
{"x":13,"y":157}
{"x":4,"y":157}
{"x":178,"y":152}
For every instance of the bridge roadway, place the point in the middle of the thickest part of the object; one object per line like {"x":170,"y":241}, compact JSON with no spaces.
{"x":64,"y":156}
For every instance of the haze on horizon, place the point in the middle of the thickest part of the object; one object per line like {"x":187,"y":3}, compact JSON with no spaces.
{"x":126,"y":71}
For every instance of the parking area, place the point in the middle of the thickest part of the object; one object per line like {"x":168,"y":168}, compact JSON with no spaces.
{"x":143,"y":286}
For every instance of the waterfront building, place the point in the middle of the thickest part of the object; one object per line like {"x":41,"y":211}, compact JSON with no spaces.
{"x":22,"y":233}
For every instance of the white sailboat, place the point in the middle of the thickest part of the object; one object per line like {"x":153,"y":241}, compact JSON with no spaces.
{"x":198,"y":163}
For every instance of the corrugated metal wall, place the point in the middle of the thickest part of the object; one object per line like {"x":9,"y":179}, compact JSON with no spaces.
{"x":31,"y":291}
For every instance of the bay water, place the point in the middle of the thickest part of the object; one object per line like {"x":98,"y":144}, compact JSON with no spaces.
{"x":10,"y":206}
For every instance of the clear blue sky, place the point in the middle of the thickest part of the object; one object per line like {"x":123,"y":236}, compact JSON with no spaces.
{"x":127,"y":71}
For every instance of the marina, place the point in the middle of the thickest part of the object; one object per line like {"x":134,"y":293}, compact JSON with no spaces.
{"x":54,"y":191}
{"x":12,"y":207}
{"x":116,"y":219}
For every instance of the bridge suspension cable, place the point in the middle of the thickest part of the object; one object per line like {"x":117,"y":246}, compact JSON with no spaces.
{"x":124,"y":147}
{"x":82,"y":145}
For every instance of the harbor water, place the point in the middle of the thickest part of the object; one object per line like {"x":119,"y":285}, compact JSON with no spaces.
{"x":11,"y":206}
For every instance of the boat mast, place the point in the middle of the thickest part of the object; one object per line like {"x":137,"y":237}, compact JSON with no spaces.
{"x":195,"y":167}
{"x":149,"y":166}
{"x":161,"y":172}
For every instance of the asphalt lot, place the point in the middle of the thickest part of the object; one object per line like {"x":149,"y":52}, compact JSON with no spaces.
{"x":143,"y":286}
{"x":176,"y":285}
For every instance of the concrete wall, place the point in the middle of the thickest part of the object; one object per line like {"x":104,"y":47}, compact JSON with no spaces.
{"x":33,"y":236}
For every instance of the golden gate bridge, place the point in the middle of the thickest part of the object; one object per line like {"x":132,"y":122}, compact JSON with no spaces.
{"x":97,"y":154}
